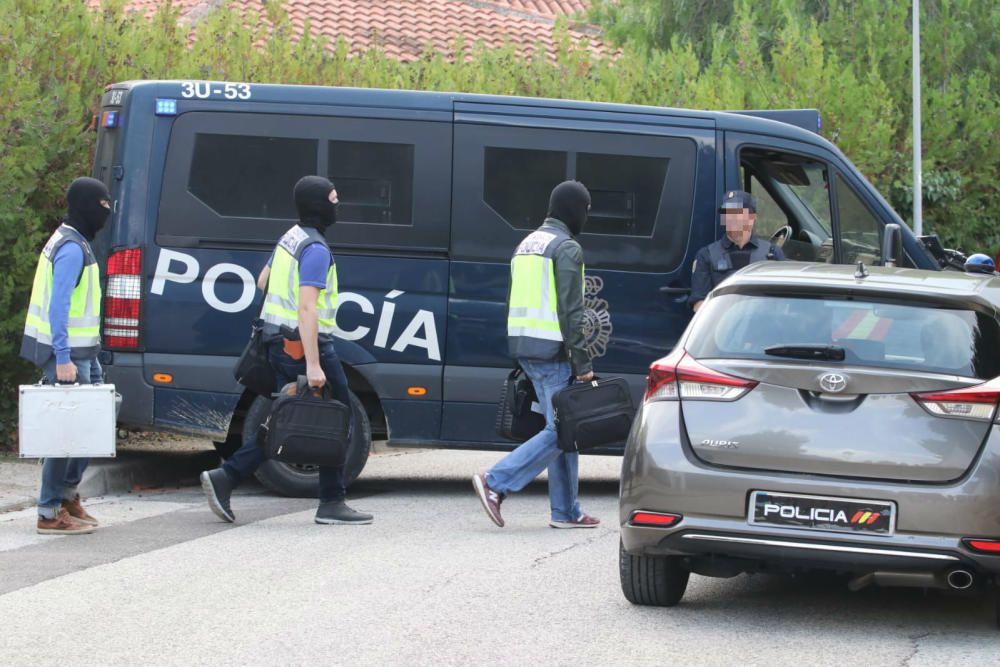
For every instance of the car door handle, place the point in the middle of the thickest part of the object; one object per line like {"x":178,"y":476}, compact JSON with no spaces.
{"x":675,"y":290}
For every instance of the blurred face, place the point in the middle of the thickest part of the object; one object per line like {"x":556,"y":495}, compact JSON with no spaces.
{"x":738,"y":223}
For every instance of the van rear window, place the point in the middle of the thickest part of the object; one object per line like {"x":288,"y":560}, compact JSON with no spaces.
{"x":249,"y":177}
{"x":910,"y":336}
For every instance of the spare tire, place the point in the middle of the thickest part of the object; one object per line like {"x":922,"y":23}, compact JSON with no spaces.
{"x":301,"y":481}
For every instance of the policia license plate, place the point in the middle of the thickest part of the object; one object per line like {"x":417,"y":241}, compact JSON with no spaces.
{"x":846,"y":515}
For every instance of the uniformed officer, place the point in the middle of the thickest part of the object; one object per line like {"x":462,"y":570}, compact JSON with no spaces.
{"x":545,"y":320}
{"x":738,"y":248}
{"x":62,"y":337}
{"x":301,"y":280}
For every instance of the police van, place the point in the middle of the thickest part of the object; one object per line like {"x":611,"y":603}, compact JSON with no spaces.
{"x":436,"y":191}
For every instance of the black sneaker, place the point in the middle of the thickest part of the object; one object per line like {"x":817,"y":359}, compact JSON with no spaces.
{"x":218,"y":489}
{"x":338,"y":512}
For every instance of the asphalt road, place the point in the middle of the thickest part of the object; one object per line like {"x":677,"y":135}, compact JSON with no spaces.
{"x":431,"y":582}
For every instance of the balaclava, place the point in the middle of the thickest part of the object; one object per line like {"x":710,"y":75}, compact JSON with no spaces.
{"x":312,"y":199}
{"x":569,"y":203}
{"x":83,"y":201}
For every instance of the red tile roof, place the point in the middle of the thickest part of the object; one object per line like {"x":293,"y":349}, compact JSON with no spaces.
{"x":404,"y":28}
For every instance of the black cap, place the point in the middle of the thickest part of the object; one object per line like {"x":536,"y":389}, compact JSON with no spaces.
{"x":737,"y":199}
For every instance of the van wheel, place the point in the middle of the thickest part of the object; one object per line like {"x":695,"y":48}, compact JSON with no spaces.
{"x":302,"y":481}
{"x":658,"y":581}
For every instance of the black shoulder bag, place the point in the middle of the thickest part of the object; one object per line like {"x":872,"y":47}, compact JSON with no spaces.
{"x":253,"y":368}
{"x":516,"y":416}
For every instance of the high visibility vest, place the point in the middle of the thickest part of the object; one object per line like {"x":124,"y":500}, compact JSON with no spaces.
{"x":281,"y":304}
{"x":532,"y":313}
{"x":84,"y":323}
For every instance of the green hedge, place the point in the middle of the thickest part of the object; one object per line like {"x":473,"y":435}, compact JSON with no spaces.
{"x":57,"y":56}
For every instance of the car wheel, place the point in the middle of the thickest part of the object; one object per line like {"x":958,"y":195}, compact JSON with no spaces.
{"x":302,"y":481}
{"x":658,"y":581}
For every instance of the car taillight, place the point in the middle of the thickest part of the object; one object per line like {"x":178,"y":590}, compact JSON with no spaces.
{"x":123,"y":299}
{"x":977,"y":402}
{"x":678,"y":375}
{"x":656,"y":519}
{"x":984,"y":546}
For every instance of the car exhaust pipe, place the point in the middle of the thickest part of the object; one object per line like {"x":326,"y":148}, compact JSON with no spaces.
{"x":960,"y":580}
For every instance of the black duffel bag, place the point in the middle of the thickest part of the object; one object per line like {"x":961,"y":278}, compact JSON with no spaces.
{"x":593,"y":414}
{"x":516,"y":420}
{"x":307,"y":426}
{"x":253,"y":368}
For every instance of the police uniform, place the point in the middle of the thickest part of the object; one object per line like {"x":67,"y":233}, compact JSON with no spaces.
{"x":63,"y":327}
{"x":717,"y":261}
{"x":281,"y":305}
{"x":84,"y":324}
{"x":302,"y":257}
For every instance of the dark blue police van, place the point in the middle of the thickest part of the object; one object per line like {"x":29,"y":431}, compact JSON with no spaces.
{"x":437,"y":189}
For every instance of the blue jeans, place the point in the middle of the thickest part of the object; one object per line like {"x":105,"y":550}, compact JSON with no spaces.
{"x":514,"y":471}
{"x":60,"y":477}
{"x":250,"y":456}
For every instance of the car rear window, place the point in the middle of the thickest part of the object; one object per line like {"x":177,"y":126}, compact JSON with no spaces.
{"x":919,"y":337}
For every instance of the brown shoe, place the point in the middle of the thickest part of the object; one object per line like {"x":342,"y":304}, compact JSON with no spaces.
{"x":75,"y":509}
{"x":63,"y":524}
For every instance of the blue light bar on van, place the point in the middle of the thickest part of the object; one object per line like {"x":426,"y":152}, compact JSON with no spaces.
{"x":109,"y":119}
{"x":166,"y":107}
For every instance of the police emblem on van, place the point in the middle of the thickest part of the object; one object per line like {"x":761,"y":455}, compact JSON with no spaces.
{"x":597,"y":327}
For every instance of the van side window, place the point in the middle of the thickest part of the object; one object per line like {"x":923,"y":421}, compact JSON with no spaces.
{"x":860,"y":230}
{"x":799,"y":187}
{"x":245,"y":176}
{"x":642,"y":190}
{"x":625,"y":192}
{"x":228,"y":179}
{"x":770,"y":217}
{"x":374,"y":181}
{"x":517,"y":183}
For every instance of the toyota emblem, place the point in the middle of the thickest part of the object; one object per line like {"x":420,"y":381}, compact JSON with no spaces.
{"x":833,"y":383}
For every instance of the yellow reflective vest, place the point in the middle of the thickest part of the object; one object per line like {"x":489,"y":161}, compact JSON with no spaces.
{"x":281,"y":304}
{"x":532,"y":313}
{"x":84,"y":323}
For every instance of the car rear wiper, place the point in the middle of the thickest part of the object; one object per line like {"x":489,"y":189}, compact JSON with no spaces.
{"x":827,"y":352}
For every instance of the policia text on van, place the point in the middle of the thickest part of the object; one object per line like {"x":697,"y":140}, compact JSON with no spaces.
{"x":436,"y":190}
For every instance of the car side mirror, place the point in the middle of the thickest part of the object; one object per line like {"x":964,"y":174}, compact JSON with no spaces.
{"x":892,"y":245}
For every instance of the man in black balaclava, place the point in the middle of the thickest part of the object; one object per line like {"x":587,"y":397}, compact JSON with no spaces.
{"x":87,"y":200}
{"x":314,"y":203}
{"x":547,"y":341}
{"x":62,"y":337}
{"x":299,"y":328}
{"x":569,"y":203}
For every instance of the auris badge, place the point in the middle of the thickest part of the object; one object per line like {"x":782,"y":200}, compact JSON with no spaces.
{"x":833,"y":383}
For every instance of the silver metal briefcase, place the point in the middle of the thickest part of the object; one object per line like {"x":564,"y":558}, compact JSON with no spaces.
{"x":66,"y":420}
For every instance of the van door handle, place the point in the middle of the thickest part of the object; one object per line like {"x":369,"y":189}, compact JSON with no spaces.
{"x":675,"y":290}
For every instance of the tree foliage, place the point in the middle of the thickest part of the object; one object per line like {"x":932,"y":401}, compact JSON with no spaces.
{"x":866,"y":46}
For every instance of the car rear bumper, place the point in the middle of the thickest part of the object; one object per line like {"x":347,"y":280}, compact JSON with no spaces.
{"x":661,"y":474}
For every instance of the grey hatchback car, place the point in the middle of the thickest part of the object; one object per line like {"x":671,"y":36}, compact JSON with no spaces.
{"x":819,"y":417}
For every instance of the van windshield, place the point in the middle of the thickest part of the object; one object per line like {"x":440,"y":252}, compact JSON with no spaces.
{"x":912,"y":336}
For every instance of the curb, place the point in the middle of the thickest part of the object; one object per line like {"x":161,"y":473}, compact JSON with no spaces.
{"x":134,"y":471}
